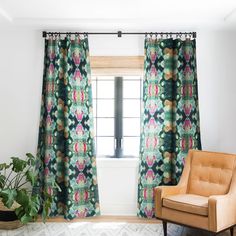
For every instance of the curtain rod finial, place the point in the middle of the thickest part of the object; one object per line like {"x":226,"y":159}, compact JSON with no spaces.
{"x":194,"y":35}
{"x":44,"y":34}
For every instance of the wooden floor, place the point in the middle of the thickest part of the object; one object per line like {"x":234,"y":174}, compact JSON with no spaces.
{"x":133,"y":219}
{"x":127,"y":219}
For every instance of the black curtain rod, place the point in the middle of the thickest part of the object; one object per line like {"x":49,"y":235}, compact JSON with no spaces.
{"x":120,"y":33}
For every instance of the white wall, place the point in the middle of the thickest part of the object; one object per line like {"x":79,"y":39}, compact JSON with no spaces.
{"x":217,"y":90}
{"x":21,"y":65}
{"x":117,"y":180}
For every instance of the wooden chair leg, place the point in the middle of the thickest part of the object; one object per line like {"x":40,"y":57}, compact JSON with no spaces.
{"x":232,"y":231}
{"x":164,"y":224}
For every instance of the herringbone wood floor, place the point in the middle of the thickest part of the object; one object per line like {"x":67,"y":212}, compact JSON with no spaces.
{"x":132,"y":219}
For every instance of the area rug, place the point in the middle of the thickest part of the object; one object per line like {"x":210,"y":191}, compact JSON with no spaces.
{"x":91,"y":229}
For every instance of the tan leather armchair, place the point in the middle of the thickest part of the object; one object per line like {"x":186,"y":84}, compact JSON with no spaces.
{"x":205,"y":196}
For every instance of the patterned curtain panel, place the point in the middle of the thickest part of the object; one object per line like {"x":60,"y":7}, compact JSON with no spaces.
{"x":66,"y":138}
{"x":170,"y":117}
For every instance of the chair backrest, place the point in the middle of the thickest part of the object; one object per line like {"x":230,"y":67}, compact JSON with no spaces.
{"x":210,"y":173}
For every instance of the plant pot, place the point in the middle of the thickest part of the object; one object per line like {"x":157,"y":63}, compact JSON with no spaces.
{"x":8,"y":218}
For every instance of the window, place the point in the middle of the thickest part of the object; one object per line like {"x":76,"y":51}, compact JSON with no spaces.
{"x":117,"y":108}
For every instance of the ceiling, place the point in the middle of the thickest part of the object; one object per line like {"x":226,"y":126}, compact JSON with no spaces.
{"x":132,"y":15}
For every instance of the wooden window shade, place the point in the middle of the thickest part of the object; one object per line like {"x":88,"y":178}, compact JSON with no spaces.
{"x":117,"y":65}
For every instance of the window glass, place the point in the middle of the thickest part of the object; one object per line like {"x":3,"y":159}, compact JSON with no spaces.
{"x":131,"y":146}
{"x":131,"y":89}
{"x":105,"y":108}
{"x":95,"y":128}
{"x":131,"y":126}
{"x":103,"y":91}
{"x":131,"y":107}
{"x":94,"y":89}
{"x":105,"y":88}
{"x":105,"y":126}
{"x":94,"y":107}
{"x":105,"y":146}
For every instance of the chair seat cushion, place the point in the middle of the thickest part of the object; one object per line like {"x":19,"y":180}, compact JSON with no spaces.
{"x":190,"y":203}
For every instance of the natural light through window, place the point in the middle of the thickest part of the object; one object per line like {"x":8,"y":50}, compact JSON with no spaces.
{"x":117,"y":107}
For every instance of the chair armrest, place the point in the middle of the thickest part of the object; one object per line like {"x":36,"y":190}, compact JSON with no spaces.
{"x":163,"y":191}
{"x":221,"y":211}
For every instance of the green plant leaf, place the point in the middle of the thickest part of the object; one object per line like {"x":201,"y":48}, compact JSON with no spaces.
{"x":34,"y":206}
{"x":25,"y":218}
{"x":31,"y":159}
{"x":29,"y":208}
{"x":18,"y":164}
{"x":22,"y":197}
{"x":30,"y":155}
{"x":19,"y":212}
{"x":26,"y":171}
{"x":36,"y":199}
{"x":31,"y":177}
{"x":4,"y":166}
{"x":8,"y":197}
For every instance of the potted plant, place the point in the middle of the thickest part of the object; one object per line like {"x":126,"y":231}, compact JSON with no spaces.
{"x":18,"y":203}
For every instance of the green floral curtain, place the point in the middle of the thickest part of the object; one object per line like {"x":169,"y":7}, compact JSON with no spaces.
{"x":66,"y":138}
{"x":170,"y":124}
